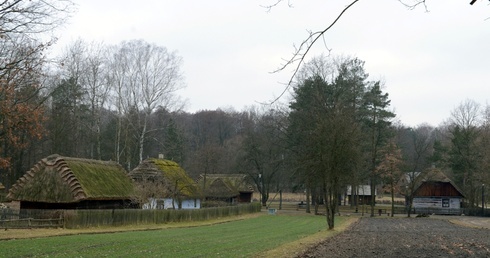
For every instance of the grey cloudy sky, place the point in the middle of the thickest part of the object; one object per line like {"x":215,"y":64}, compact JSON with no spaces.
{"x":429,"y":61}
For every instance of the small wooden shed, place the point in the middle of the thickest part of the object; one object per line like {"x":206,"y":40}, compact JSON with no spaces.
{"x":58,"y":182}
{"x":172,"y":187}
{"x":437,"y":195}
{"x":361,"y":193}
{"x":230,"y":188}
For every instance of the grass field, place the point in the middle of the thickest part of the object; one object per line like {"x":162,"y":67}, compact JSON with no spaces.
{"x":251,"y":237}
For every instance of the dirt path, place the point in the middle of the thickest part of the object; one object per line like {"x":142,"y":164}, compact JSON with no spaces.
{"x":405,"y":237}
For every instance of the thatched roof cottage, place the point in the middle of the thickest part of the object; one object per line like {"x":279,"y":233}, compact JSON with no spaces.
{"x":231,"y":188}
{"x":58,"y":182}
{"x":170,"y":185}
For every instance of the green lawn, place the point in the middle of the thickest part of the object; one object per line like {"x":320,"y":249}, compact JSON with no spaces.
{"x":244,"y":238}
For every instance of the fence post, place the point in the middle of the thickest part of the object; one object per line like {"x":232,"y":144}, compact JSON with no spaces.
{"x":61,"y":221}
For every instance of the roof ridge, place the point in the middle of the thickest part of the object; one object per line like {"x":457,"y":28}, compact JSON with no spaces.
{"x":69,"y":178}
{"x":65,"y":173}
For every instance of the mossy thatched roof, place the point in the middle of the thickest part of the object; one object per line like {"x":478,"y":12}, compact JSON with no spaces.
{"x":224,"y":185}
{"x":58,"y":179}
{"x":170,"y":173}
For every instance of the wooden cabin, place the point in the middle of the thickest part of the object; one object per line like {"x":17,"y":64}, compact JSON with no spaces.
{"x":163,"y":184}
{"x":437,"y":195}
{"x":229,"y":188}
{"x":361,"y":195}
{"x":58,"y":182}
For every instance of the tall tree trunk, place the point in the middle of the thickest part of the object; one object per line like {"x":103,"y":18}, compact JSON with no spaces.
{"x":118,"y":133}
{"x":392,"y":199}
{"x":330,"y":204}
{"x":308,"y":199}
{"x":142,"y":137}
{"x":373,"y":195}
{"x":99,"y":151}
{"x":280,"y":199}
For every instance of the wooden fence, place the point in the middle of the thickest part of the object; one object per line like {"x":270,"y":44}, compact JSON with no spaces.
{"x":10,"y":218}
{"x":116,"y":217}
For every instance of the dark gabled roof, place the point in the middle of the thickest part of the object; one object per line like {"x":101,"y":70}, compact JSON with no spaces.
{"x":58,"y":179}
{"x":436,"y":184}
{"x":161,"y":170}
{"x":437,"y":189}
{"x":224,"y":185}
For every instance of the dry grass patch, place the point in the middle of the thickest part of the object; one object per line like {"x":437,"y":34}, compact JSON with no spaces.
{"x":293,"y":249}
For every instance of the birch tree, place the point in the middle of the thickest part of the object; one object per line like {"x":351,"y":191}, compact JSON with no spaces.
{"x":97,"y":87}
{"x":147,"y":77}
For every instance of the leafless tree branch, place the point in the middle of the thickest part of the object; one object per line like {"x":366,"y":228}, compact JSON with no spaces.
{"x":269,"y":7}
{"x":414,"y":4}
{"x":299,"y":56}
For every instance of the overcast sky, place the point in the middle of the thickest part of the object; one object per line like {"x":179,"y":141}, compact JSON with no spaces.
{"x":430,"y":61}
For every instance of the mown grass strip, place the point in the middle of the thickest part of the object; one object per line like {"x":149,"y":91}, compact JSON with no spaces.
{"x":244,"y":238}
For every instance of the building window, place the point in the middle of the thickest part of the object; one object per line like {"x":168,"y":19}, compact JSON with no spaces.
{"x":445,"y":203}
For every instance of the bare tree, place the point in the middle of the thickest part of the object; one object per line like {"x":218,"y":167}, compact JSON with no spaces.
{"x":466,"y":148}
{"x":84,"y":64}
{"x":389,"y":169}
{"x":21,"y":68}
{"x":146,"y":77}
{"x":117,"y":65}
{"x":25,"y":17}
{"x":97,"y":86}
{"x":68,"y":97}
{"x":146,"y":189}
{"x":264,"y":150}
{"x":417,"y":147}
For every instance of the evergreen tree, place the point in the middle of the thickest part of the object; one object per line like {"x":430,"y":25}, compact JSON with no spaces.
{"x":174,"y":142}
{"x":377,"y":130}
{"x":67,"y":129}
{"x":324,"y":132}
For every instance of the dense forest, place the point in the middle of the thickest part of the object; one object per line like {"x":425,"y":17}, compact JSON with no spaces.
{"x":120,"y":102}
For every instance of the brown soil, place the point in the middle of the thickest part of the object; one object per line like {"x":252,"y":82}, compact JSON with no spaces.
{"x":405,"y":237}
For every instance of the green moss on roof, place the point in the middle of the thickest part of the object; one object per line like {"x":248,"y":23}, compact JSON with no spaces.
{"x":177,"y":180}
{"x":177,"y":177}
{"x":58,"y":179}
{"x":224,"y":185}
{"x":47,"y":186}
{"x":101,"y":180}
